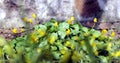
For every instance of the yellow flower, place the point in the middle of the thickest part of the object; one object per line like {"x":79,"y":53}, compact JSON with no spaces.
{"x":63,"y":51}
{"x":22,"y":30}
{"x":113,"y":54}
{"x":52,"y":39}
{"x":72,"y":47}
{"x":76,"y":56}
{"x":15,"y":30}
{"x":70,"y":21}
{"x":39,"y":50}
{"x":68,"y":31}
{"x":86,"y":34}
{"x":30,"y":20}
{"x":41,"y":32}
{"x":75,"y":38}
{"x":72,"y":18}
{"x":65,"y":57}
{"x":94,"y":36}
{"x":34,"y":15}
{"x":35,"y":39}
{"x":25,"y":19}
{"x":95,"y":20}
{"x":56,"y":24}
{"x":67,"y":43}
{"x":117,"y":54}
{"x":113,"y":34}
{"x":104,"y":31}
{"x":96,"y":53}
{"x":82,"y":43}
{"x":94,"y":45}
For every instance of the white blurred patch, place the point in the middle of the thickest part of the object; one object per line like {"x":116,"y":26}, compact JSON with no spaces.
{"x":118,"y":9}
{"x":1,"y":1}
{"x":2,"y":14}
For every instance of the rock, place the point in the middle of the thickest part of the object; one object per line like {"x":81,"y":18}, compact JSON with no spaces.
{"x":59,"y":9}
{"x":12,"y":11}
{"x":111,"y":11}
{"x":2,"y":14}
{"x":118,"y":9}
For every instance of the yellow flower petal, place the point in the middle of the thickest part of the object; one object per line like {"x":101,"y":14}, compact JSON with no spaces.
{"x":63,"y":51}
{"x":35,"y":39}
{"x":34,"y":15}
{"x":113,"y":54}
{"x":72,"y":47}
{"x":96,"y":53}
{"x":86,"y":34}
{"x":22,"y":30}
{"x":41,"y":32}
{"x":95,"y":20}
{"x":72,"y":18}
{"x":82,"y":43}
{"x":76,"y":56}
{"x":39,"y":50}
{"x":67,"y":43}
{"x":113,"y":34}
{"x":30,"y":20}
{"x":56,"y":24}
{"x":25,"y":19}
{"x":75,"y":38}
{"x":68,"y":31}
{"x":94,"y":45}
{"x":70,"y":21}
{"x":104,"y":31}
{"x":52,"y":39}
{"x":117,"y":54}
{"x":15,"y":30}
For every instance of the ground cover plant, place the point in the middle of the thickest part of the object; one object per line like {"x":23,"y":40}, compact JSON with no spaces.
{"x":61,"y":42}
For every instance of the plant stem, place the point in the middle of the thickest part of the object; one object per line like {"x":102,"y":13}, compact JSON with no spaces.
{"x":90,"y":51}
{"x":93,"y":25}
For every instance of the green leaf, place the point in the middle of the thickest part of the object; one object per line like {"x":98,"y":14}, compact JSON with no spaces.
{"x":85,"y":29}
{"x":96,"y":33}
{"x":53,"y":48}
{"x":8,"y":49}
{"x":2,"y":41}
{"x":56,"y":55}
{"x":103,"y":59}
{"x":63,"y":26}
{"x":28,"y":49}
{"x":62,"y":34}
{"x":55,"y":34}
{"x":43,"y":27}
{"x":76,"y":26}
{"x":43,"y":43}
{"x":75,"y":30}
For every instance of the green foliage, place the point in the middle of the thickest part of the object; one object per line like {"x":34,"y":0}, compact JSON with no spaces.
{"x":50,"y":44}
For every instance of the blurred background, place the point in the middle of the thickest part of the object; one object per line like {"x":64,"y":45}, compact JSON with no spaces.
{"x":107,"y":11}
